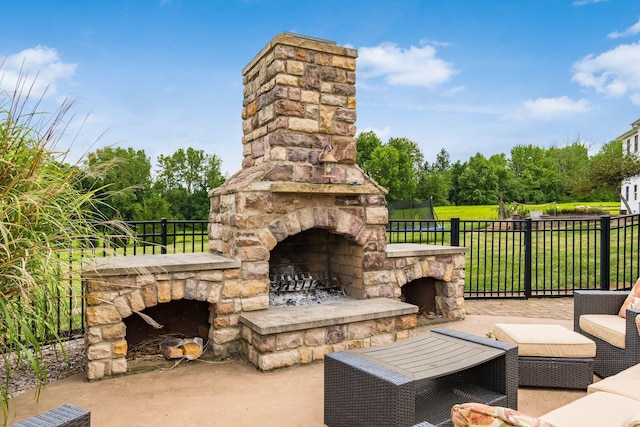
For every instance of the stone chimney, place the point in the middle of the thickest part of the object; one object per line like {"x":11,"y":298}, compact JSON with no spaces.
{"x":299,"y":98}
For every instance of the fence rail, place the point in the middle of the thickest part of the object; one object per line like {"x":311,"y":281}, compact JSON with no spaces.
{"x":505,"y":258}
{"x":535,"y":258}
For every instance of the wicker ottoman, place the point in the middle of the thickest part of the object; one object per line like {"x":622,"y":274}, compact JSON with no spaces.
{"x":550,"y":355}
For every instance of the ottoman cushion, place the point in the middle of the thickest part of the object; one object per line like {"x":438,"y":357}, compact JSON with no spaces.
{"x":541,"y":340}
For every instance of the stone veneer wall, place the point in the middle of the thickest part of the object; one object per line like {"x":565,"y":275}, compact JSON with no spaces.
{"x":447,"y":268}
{"x":113,"y":296}
{"x":284,"y":349}
{"x":299,"y":96}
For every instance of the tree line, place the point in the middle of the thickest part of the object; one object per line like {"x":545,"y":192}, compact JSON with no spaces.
{"x":529,"y":175}
{"x":123,"y":180}
{"x":178,"y":189}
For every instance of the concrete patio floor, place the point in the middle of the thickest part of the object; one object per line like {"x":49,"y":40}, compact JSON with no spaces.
{"x":234,"y":393}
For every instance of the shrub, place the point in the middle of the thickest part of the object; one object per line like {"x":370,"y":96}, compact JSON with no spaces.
{"x":42,"y":210}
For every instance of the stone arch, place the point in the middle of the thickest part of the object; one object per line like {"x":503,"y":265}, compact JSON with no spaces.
{"x":334,"y":220}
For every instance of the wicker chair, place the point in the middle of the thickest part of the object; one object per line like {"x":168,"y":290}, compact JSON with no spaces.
{"x":609,"y":359}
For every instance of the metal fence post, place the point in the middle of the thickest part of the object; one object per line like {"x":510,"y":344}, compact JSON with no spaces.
{"x":605,"y":252}
{"x":528,"y":259}
{"x":455,"y":231}
{"x":163,"y":235}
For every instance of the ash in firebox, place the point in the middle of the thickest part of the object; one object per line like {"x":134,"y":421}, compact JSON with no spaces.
{"x":292,"y":289}
{"x":317,"y":296}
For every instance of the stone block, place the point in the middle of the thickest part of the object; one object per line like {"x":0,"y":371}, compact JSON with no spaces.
{"x":382,"y":339}
{"x":320,"y":351}
{"x":361,"y":330}
{"x":408,"y":321}
{"x":122,"y":305}
{"x":102,"y":315}
{"x":263,"y":343}
{"x":289,"y":340}
{"x":281,"y":359}
{"x":119,"y":366}
{"x":95,"y":370}
{"x":119,"y":349}
{"x":164,"y":291}
{"x":255,"y":303}
{"x":315,"y":336}
{"x":306,"y":355}
{"x":114,"y":332}
{"x":221,"y":336}
{"x":149,"y":296}
{"x":93,"y":335}
{"x":98,"y":351}
{"x":135,"y":300}
{"x":211,"y":275}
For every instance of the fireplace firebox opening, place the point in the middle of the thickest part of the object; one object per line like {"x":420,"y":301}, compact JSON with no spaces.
{"x":421,"y":292}
{"x":315,"y":260}
{"x":180,"y":318}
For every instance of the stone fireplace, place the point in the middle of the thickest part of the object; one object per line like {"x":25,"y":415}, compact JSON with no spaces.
{"x":283,"y":214}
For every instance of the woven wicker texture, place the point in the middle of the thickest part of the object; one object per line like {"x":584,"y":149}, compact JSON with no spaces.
{"x":359,"y":392}
{"x":609,"y":359}
{"x":64,"y":416}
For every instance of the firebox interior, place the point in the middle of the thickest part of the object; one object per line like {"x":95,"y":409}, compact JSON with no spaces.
{"x":421,"y":292}
{"x":180,"y":317}
{"x":319,"y":254}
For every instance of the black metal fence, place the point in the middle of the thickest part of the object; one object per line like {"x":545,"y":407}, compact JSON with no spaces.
{"x":505,"y":258}
{"x":535,"y":258}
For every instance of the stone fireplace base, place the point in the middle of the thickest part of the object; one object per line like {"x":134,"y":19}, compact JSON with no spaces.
{"x":240,"y":319}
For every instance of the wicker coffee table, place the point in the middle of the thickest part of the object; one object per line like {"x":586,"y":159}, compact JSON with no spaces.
{"x":418,"y":380}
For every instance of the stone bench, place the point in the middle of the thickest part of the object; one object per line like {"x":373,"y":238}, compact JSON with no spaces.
{"x":287,"y":336}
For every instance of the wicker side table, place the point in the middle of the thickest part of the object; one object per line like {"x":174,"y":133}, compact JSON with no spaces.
{"x":418,"y":380}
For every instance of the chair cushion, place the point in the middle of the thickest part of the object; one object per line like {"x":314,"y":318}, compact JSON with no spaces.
{"x":480,"y":415}
{"x":594,"y":410}
{"x":607,"y":327}
{"x":625,"y":383}
{"x":632,"y":300}
{"x":544,"y":340}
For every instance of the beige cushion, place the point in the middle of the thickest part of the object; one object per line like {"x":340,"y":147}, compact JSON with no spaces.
{"x":608,"y":327}
{"x":633,"y":420}
{"x":594,"y":410}
{"x":632,"y":300}
{"x":626,"y":383}
{"x":545,"y":340}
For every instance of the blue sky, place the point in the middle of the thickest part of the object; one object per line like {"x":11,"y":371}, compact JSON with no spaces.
{"x":464,"y":75}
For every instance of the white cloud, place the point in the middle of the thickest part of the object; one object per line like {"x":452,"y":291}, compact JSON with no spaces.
{"x":613,"y":73}
{"x":38,"y":68}
{"x":631,"y":31}
{"x":415,"y":66}
{"x":584,"y":2}
{"x":548,"y":108}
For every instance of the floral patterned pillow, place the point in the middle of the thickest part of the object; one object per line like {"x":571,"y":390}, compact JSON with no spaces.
{"x":479,"y":415}
{"x":638,"y":323}
{"x":632,"y":300}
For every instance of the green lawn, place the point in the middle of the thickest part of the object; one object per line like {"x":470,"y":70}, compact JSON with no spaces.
{"x":491,"y":211}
